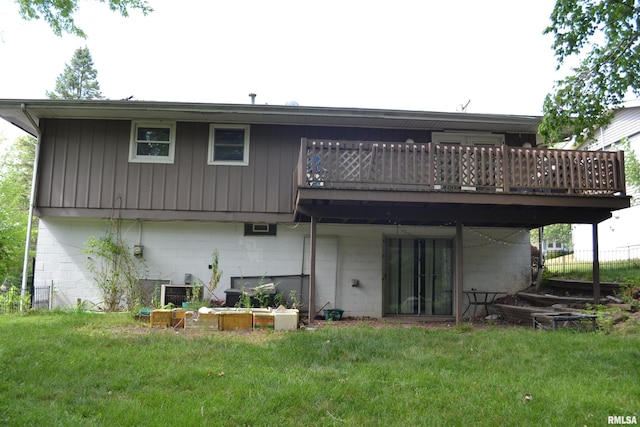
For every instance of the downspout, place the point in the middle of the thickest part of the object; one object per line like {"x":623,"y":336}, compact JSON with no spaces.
{"x":25,"y":264}
{"x":312,"y":271}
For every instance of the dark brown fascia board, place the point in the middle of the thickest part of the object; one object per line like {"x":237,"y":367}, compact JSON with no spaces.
{"x":164,"y":215}
{"x":466,"y":198}
{"x":10,"y":110}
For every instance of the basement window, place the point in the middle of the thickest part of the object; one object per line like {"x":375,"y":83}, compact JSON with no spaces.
{"x":152,"y":142}
{"x":260,"y":229}
{"x":229,"y":145}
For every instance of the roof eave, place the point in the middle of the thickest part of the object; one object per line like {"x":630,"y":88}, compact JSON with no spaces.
{"x":10,"y":110}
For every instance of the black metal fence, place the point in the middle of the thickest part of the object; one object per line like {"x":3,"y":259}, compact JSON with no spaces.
{"x":627,"y":258}
{"x":41,"y":297}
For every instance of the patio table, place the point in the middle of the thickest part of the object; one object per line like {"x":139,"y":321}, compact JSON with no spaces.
{"x":477,"y":298}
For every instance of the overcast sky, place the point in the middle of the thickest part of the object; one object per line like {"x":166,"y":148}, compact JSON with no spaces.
{"x":407,"y":55}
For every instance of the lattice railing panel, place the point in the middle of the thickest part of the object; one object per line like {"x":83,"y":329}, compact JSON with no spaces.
{"x":449,"y":167}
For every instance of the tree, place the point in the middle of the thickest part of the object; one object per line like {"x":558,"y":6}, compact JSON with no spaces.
{"x":78,"y":80}
{"x":605,"y":37}
{"x":16,"y":170}
{"x":631,"y":170}
{"x":59,"y":14}
{"x":560,"y":233}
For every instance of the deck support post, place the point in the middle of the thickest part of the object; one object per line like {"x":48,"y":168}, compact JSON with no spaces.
{"x":596,"y":265}
{"x":459,"y":271}
{"x":312,"y":271}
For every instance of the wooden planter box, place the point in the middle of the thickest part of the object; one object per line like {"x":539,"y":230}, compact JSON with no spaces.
{"x":207,"y":321}
{"x":180,"y":318}
{"x":161,"y":318}
{"x":235,"y":320}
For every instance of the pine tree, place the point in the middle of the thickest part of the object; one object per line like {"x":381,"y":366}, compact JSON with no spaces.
{"x":78,"y":80}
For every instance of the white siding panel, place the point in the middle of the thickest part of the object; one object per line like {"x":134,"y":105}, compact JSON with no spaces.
{"x":625,"y":123}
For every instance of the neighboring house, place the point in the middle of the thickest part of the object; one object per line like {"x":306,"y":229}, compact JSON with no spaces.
{"x":390,"y":213}
{"x":619,"y":236}
{"x":554,"y":246}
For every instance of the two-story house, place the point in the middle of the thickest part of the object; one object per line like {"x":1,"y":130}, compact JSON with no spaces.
{"x":389,"y":213}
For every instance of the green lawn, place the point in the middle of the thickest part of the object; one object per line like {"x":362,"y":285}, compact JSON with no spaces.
{"x":108,"y":370}
{"x":610,"y":271}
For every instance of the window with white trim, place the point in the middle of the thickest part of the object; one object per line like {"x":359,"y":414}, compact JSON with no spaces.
{"x":228,"y":145}
{"x":152,"y":142}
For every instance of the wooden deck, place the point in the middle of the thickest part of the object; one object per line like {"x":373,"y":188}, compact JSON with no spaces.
{"x":419,"y":167}
{"x":508,"y":186}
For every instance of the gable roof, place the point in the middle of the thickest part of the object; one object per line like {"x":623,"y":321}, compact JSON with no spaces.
{"x":18,"y":111}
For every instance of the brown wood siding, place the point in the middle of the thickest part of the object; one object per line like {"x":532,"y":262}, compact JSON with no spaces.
{"x":84,"y":165}
{"x":84,"y":168}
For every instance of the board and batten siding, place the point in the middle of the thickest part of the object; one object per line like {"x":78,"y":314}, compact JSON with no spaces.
{"x":85,"y":171}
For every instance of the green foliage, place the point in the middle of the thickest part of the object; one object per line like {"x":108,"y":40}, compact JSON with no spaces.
{"x":216,"y":274}
{"x":605,"y":315}
{"x":262,"y":298}
{"x":78,"y":80}
{"x":11,"y":300}
{"x":16,"y":169}
{"x":294,"y":301}
{"x":59,"y":14}
{"x":195,"y":295}
{"x":631,"y":167}
{"x":605,"y":37}
{"x":279,"y":300}
{"x":558,"y":233}
{"x":630,"y":294}
{"x":115,"y":270}
{"x":244,"y":301}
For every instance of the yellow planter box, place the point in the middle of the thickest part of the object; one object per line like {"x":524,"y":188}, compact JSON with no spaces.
{"x":235,"y":321}
{"x":161,"y":318}
{"x":180,"y":317}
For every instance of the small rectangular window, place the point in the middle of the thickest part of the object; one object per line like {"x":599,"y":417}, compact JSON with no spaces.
{"x":152,"y":142}
{"x":261,"y":229}
{"x":229,"y":145}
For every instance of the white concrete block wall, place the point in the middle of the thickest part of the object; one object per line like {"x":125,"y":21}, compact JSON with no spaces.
{"x":494,"y":258}
{"x":360,"y":258}
{"x":60,"y":261}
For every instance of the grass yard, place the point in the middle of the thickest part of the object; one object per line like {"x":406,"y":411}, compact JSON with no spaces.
{"x":108,"y":370}
{"x":610,"y":271}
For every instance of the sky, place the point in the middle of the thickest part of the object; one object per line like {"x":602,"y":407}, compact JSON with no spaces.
{"x":404,"y":54}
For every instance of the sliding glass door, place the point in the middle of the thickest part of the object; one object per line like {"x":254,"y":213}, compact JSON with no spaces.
{"x":418,"y":276}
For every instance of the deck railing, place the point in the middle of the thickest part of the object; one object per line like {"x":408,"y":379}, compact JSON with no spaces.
{"x":369,"y":165}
